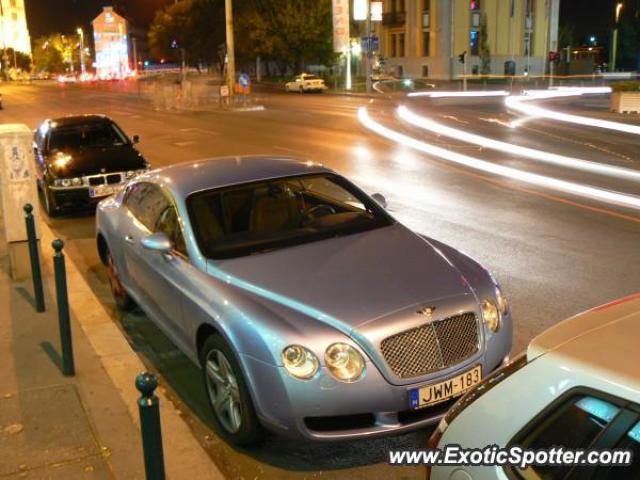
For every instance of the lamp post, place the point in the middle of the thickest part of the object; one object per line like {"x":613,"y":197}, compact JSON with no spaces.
{"x":81,"y":33}
{"x":614,"y":47}
{"x":231,"y":59}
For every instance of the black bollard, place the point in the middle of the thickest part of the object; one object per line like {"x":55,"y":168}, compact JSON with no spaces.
{"x":68,"y":368}
{"x":149,"y":407}
{"x":36,"y":274}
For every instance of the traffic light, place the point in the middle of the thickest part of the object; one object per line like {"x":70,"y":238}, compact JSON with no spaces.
{"x":462,"y":58}
{"x":553,"y":56}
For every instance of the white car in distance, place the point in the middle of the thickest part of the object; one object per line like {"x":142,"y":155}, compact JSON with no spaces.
{"x":306,"y":82}
{"x":577,"y":386}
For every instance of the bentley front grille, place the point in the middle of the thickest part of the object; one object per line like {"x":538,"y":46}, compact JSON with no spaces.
{"x":432,"y":347}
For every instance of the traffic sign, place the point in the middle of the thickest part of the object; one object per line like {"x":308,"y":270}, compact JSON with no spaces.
{"x":244,"y":80}
{"x":370,"y":44}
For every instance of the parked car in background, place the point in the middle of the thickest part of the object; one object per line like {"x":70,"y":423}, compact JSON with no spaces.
{"x":82,"y":159}
{"x":577,"y":386}
{"x":310,"y":309}
{"x":306,"y":82}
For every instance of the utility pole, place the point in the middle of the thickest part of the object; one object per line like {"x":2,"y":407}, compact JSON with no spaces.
{"x":134,"y":42}
{"x":614,"y":48}
{"x":81,"y":34}
{"x":369,"y":52}
{"x":231,"y":60}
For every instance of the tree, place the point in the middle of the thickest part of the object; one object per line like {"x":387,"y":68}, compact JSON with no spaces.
{"x":291,"y":32}
{"x":484,"y":49}
{"x":197,"y":26}
{"x":48,"y":54}
{"x":628,"y":56}
{"x":18,"y":60}
{"x":566,"y":35}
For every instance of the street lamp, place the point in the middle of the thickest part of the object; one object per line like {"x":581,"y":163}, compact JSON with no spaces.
{"x":614,"y":47}
{"x":81,"y":33}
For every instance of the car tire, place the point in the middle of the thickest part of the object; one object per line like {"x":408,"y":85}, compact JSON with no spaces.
{"x":227,"y":392}
{"x":49,"y":202}
{"x":122,"y":299}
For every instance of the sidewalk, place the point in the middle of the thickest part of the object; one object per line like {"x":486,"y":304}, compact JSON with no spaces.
{"x":56,"y":427}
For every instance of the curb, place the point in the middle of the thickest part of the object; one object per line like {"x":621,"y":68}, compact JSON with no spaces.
{"x":182,"y":452}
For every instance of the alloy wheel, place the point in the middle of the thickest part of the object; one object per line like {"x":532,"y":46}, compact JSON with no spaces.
{"x":224,"y":394}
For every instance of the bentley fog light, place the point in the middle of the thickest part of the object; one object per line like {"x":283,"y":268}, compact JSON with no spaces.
{"x":344,"y":362}
{"x":299,"y":361}
{"x":490,"y":315}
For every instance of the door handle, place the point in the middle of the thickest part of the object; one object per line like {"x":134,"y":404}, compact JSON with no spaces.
{"x":129,"y":239}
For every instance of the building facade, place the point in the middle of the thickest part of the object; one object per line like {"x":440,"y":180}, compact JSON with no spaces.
{"x":111,"y":40}
{"x":424,"y":38}
{"x":13,"y":22}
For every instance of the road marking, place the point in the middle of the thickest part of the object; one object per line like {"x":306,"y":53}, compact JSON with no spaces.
{"x":184,"y":144}
{"x":455,"y":119}
{"x":297,"y":152}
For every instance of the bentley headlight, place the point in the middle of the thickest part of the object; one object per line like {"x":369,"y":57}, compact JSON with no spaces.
{"x":503,"y":306}
{"x":344,"y":362}
{"x":299,"y":361}
{"x":490,"y":315}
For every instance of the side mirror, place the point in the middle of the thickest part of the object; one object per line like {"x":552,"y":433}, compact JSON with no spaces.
{"x":379,"y":198}
{"x":157,"y":242}
{"x":136,"y":139}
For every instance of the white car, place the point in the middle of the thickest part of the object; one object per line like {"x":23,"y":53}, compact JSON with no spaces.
{"x":306,"y":83}
{"x":577,"y":386}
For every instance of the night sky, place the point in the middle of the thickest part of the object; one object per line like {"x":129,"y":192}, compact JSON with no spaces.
{"x":47,"y":16}
{"x":64,"y":16}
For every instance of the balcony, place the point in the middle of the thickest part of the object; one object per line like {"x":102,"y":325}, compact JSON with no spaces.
{"x":394,"y":19}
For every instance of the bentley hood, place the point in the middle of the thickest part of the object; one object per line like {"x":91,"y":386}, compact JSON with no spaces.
{"x":354,"y":279}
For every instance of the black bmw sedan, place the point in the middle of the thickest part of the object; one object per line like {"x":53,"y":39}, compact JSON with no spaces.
{"x":82,"y":159}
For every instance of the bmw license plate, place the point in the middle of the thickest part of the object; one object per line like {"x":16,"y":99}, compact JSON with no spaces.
{"x":443,"y":391}
{"x":101,"y":191}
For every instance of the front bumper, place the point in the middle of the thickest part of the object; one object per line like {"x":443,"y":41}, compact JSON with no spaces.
{"x":66,"y":197}
{"x":324,"y":409}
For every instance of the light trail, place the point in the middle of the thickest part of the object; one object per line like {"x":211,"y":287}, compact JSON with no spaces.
{"x":585,"y":191}
{"x":427,"y":124}
{"x":487,"y":93}
{"x":521,"y":104}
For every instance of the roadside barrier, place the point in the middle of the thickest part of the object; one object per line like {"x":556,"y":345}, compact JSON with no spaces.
{"x":149,"y":407}
{"x":34,"y":257}
{"x":68,"y":368}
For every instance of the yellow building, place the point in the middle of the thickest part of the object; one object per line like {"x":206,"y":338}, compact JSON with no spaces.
{"x":13,"y":23}
{"x":424,"y":38}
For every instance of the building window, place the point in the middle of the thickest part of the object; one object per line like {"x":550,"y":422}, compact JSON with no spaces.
{"x":397,"y":45}
{"x":425,"y":71}
{"x":474,"y":42}
{"x":397,"y":6}
{"x":426,"y":43}
{"x":401,"y":45}
{"x":528,"y":43}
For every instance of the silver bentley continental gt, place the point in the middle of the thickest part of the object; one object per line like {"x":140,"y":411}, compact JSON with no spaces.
{"x":310,"y":309}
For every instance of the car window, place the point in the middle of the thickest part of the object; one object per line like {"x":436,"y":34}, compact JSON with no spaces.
{"x":630,"y":441}
{"x":573,"y":425}
{"x":146,"y":202}
{"x":169,"y":224}
{"x":267,"y":215}
{"x":97,"y":134}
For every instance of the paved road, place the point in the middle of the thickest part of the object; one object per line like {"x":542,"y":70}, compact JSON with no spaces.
{"x":554,"y":254}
